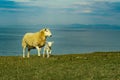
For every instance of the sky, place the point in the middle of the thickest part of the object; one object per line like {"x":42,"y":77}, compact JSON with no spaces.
{"x":25,"y":12}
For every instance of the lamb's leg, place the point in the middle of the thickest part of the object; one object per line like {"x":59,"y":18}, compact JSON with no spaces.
{"x":24,"y":52}
{"x":28,"y":55}
{"x":48,"y":54}
{"x":39,"y":49}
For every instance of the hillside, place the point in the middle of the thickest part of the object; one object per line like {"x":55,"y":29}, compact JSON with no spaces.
{"x":94,"y":66}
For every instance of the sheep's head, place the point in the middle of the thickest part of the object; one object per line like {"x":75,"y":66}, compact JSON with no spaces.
{"x":47,"y":32}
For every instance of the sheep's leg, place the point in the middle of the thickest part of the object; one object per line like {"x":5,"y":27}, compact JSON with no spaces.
{"x":28,"y":54}
{"x":39,"y":49}
{"x":24,"y":52}
{"x":44,"y":52}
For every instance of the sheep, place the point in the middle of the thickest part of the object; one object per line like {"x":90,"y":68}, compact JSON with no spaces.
{"x":48,"y":49}
{"x":35,"y":41}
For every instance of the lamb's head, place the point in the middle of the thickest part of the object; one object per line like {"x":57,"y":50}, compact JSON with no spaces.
{"x":50,"y":43}
{"x":47,"y":32}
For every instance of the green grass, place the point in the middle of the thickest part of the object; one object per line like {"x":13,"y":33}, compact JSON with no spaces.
{"x":94,"y":66}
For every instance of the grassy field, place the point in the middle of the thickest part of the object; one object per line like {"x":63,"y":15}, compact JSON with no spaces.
{"x":94,"y":66}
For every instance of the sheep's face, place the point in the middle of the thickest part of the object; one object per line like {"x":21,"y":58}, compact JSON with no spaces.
{"x":50,"y":43}
{"x":48,"y":33}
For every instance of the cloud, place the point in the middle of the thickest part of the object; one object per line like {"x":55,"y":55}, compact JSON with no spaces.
{"x":6,"y":5}
{"x":107,"y":0}
{"x":12,"y":6}
{"x":84,"y":3}
{"x":61,"y":10}
{"x":81,"y":7}
{"x":87,"y":11}
{"x":21,"y":0}
{"x":10,"y":9}
{"x":102,"y":8}
{"x":106,"y":8}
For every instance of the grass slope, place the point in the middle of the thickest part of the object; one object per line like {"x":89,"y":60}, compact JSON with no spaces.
{"x":95,"y":66}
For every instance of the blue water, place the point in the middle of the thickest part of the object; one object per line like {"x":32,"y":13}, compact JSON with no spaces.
{"x":67,"y":40}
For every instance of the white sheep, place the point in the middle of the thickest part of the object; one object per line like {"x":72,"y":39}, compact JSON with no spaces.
{"x":48,"y":49}
{"x":35,"y":41}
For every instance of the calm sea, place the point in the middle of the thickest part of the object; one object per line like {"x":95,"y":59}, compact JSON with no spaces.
{"x":66,"y":40}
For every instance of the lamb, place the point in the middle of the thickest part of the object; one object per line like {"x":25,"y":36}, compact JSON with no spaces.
{"x":35,"y":41}
{"x":48,"y":49}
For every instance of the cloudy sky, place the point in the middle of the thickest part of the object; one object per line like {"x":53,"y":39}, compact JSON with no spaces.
{"x":59,"y":12}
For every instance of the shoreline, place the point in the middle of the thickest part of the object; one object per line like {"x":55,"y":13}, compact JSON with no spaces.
{"x":67,"y":54}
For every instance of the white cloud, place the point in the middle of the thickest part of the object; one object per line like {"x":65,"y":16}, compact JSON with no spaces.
{"x":20,"y":0}
{"x":87,"y":11}
{"x":108,"y":0}
{"x":40,"y":3}
{"x":84,"y":11}
{"x":82,"y":3}
{"x":11,"y":9}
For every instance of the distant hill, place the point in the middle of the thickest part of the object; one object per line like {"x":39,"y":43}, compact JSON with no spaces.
{"x":72,"y":26}
{"x":97,"y":26}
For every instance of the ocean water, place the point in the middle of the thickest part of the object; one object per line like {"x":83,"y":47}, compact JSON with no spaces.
{"x":67,"y":40}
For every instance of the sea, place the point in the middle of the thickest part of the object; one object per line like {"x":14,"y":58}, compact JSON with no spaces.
{"x":67,"y":40}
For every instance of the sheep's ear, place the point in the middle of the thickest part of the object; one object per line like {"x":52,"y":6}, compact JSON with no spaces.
{"x":45,"y":29}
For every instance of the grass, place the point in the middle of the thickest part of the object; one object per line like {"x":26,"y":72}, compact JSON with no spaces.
{"x":94,"y":66}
